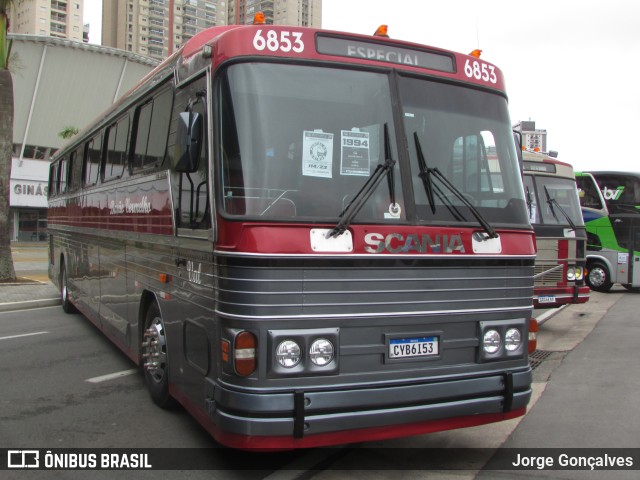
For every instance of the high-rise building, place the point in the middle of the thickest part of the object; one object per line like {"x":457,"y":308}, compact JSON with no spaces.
{"x":55,"y":18}
{"x":303,"y":13}
{"x":533,"y":138}
{"x":157,"y":28}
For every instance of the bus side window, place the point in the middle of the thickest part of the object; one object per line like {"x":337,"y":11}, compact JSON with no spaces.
{"x":116,"y":158}
{"x":91,"y":164}
{"x":191,"y":188}
{"x":151,"y":130}
{"x":53,"y":180}
{"x":75,"y":169}
{"x":62,"y":176}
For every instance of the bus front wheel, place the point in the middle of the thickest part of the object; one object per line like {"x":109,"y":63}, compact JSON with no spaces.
{"x":599,"y":278}
{"x":155,"y":358}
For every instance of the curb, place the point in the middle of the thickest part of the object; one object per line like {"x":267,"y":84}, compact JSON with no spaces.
{"x":550,"y":313}
{"x":27,"y":304}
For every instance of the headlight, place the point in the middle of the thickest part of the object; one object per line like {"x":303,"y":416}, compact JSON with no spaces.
{"x":288,"y":353}
{"x":512,"y":339}
{"x":491,"y":341}
{"x":571,"y":274}
{"x":579,"y":273}
{"x":321,"y":352}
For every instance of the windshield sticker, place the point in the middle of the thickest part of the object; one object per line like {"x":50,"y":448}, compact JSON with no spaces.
{"x":354,"y":153}
{"x":317,"y":159}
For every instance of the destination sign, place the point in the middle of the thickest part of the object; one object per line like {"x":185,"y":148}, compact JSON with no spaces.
{"x":344,"y":47}
{"x":539,"y":167}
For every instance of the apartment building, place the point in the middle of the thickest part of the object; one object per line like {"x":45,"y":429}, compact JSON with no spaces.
{"x":157,"y":28}
{"x":304,"y":13}
{"x":55,"y":18}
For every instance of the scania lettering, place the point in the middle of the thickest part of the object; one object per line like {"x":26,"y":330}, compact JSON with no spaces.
{"x":304,"y":247}
{"x":395,"y":242}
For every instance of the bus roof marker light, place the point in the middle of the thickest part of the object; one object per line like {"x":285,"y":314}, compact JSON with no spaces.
{"x":476,"y":53}
{"x":259,"y":19}
{"x":382,"y":31}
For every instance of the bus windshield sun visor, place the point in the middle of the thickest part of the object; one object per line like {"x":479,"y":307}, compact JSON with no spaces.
{"x":425,"y":174}
{"x":360,"y":198}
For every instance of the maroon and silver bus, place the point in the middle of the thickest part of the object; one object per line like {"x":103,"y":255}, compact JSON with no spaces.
{"x":299,"y":236}
{"x":554,"y":210}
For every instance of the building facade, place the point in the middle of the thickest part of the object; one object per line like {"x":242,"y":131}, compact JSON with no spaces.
{"x":157,"y":28}
{"x":303,"y":13}
{"x":60,"y":83}
{"x":55,"y":18}
{"x":533,"y":139}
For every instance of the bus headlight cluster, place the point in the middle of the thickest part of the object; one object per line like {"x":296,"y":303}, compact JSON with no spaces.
{"x":289,"y":353}
{"x":310,"y":351}
{"x":501,"y":340}
{"x":575,"y":273}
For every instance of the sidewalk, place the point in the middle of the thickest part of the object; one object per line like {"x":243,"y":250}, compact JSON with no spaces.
{"x":34,"y":289}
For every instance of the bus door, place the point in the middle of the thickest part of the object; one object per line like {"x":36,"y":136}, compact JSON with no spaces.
{"x":634,"y":253}
{"x":626,"y":229}
{"x":188,"y":316}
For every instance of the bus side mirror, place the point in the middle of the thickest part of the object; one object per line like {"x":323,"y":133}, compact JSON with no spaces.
{"x":189,"y":141}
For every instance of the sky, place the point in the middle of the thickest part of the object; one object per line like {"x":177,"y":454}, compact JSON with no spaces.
{"x":572,"y":66}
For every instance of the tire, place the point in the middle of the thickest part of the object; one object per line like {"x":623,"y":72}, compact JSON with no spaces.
{"x":155,"y":358}
{"x":67,"y":306}
{"x":599,"y":278}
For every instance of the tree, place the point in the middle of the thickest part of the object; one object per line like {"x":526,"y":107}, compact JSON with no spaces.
{"x":68,"y":132}
{"x":7,"y":271}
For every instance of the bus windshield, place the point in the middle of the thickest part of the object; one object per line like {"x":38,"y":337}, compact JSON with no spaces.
{"x":552,"y":201}
{"x":299,"y":142}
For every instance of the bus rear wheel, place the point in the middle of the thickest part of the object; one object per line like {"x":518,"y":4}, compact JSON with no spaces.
{"x":599,"y":278}
{"x":67,"y":306}
{"x":155,"y":358}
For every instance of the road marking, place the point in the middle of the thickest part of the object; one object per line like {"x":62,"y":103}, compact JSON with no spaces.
{"x":23,"y":335}
{"x":111,"y":376}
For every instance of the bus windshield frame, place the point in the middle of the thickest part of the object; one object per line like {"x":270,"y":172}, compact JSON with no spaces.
{"x":284,"y":158}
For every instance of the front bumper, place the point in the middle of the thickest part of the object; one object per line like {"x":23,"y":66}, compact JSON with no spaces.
{"x":314,"y":418}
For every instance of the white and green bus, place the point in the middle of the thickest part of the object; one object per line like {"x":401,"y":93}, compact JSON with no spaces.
{"x":610,"y":204}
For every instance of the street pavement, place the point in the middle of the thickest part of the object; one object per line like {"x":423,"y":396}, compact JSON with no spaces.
{"x":33,"y":288}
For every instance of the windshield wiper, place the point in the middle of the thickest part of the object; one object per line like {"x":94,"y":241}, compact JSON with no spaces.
{"x":360,"y":198}
{"x":425,"y":175}
{"x":552,"y":201}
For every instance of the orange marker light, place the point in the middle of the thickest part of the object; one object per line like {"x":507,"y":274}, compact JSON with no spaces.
{"x":382,"y":31}
{"x":258,"y":19}
{"x":476,"y":53}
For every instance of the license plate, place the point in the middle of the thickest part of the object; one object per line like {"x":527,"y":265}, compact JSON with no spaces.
{"x":413,"y":347}
{"x":546,"y":299}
